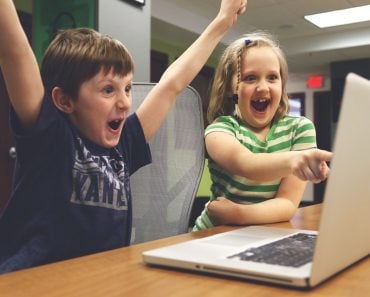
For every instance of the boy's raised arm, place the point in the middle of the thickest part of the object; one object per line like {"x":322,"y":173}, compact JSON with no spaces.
{"x":157,"y":104}
{"x":19,"y":66}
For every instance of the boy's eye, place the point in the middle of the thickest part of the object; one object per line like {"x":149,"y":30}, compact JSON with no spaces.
{"x":128,"y":89}
{"x":107,"y":89}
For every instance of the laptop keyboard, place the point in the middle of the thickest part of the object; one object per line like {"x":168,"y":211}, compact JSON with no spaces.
{"x":293,"y":251}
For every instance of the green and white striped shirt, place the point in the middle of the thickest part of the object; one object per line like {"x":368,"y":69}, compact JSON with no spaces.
{"x":289,"y":134}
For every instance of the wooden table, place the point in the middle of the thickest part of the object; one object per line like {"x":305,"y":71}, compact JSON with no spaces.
{"x":121,"y":272}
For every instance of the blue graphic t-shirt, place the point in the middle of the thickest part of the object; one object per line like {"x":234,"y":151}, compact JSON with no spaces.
{"x":70,"y":197}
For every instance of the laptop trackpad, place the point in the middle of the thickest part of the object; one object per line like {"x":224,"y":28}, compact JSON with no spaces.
{"x":247,"y":235}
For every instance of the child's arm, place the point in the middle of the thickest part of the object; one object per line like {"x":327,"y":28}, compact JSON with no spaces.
{"x":19,"y":67}
{"x":158,"y":102}
{"x":280,"y":209}
{"x":228,"y":153}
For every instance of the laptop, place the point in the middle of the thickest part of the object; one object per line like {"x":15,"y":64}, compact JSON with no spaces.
{"x":344,"y":232}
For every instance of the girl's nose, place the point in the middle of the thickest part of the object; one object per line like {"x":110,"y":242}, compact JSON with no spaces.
{"x":262,"y":86}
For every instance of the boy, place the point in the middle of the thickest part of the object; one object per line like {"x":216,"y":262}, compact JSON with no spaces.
{"x":76,"y":144}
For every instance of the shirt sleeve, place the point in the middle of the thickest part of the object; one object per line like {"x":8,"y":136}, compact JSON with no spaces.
{"x":226,"y":124}
{"x":48,"y":133}
{"x":305,"y":135}
{"x":135,"y":148}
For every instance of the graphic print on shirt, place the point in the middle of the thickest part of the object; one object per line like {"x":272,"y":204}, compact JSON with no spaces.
{"x":98,"y":180}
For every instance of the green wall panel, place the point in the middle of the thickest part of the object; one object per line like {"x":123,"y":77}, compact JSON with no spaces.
{"x":53,"y":16}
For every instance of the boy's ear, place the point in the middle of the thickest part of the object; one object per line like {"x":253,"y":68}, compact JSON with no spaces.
{"x":62,"y":101}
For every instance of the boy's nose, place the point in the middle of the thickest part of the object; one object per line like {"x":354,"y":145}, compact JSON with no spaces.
{"x":124,"y":101}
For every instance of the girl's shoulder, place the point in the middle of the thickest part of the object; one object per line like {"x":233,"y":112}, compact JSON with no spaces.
{"x":227,"y":123}
{"x":289,"y":120}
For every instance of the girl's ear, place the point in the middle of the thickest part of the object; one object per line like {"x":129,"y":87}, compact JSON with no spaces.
{"x":62,"y":101}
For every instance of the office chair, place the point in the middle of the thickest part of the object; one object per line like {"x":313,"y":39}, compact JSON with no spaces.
{"x":163,"y":192}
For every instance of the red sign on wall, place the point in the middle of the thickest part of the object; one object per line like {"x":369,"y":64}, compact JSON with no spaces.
{"x":315,"y":81}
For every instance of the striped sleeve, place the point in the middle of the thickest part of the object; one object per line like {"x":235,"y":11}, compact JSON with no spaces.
{"x":305,"y":135}
{"x":225,"y":124}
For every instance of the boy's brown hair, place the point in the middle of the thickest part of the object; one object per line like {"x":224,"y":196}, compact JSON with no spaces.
{"x":77,"y":55}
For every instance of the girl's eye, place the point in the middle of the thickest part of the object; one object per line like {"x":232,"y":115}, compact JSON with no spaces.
{"x":250,"y":78}
{"x":273,"y":77}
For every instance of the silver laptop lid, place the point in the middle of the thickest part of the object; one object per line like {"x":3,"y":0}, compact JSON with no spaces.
{"x":344,"y":233}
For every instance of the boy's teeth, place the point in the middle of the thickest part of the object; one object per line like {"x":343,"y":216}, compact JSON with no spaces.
{"x":114,"y":124}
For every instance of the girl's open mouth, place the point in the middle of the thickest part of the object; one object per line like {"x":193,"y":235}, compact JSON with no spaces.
{"x":260,"y":105}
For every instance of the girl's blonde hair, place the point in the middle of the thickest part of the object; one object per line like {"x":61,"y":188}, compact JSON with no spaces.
{"x":229,"y":67}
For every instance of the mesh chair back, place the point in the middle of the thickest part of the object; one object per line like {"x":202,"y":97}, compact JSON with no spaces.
{"x":163,"y":192}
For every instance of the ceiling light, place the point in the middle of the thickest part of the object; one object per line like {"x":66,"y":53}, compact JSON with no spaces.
{"x":340,"y":17}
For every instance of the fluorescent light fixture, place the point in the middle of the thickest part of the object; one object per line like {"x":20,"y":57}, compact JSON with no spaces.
{"x":340,"y":17}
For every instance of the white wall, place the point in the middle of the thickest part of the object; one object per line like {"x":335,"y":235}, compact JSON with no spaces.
{"x":297,"y":84}
{"x":131,"y":25}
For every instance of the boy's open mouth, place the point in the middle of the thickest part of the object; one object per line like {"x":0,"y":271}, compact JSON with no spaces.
{"x":114,"y":125}
{"x":260,"y":104}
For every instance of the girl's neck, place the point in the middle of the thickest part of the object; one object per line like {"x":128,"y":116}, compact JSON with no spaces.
{"x":261,"y":133}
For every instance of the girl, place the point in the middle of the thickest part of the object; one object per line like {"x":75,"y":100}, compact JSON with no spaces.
{"x":260,"y":158}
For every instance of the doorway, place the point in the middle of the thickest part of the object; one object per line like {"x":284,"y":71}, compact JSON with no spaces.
{"x":323,"y":115}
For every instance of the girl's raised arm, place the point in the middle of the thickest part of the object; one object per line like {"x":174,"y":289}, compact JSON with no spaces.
{"x":158,"y":102}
